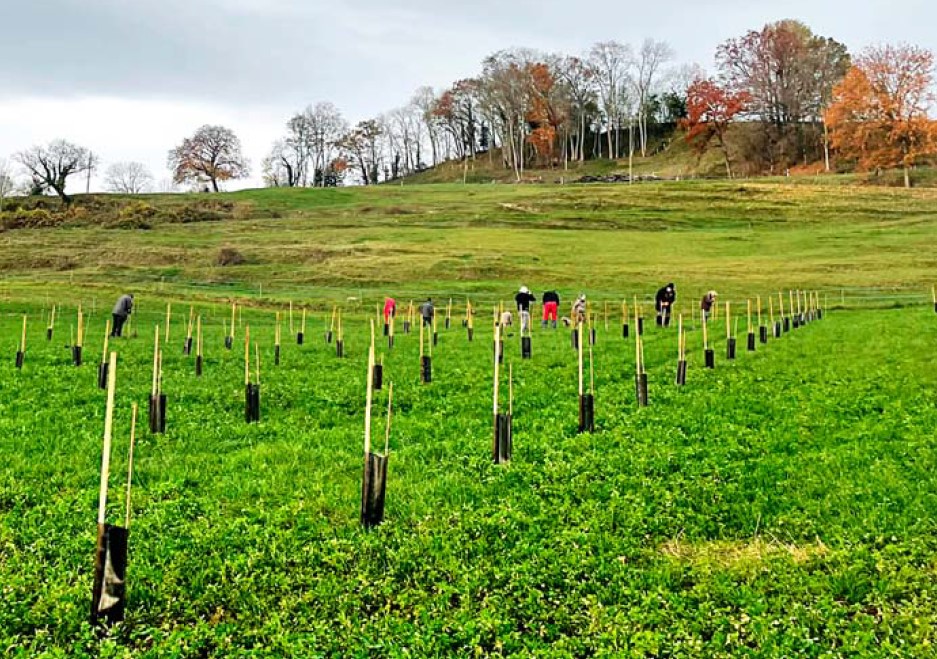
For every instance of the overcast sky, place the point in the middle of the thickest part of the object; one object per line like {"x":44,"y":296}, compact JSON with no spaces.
{"x":130,"y":78}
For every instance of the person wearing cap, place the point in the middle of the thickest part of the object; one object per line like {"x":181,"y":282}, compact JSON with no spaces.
{"x":523,"y":300}
{"x":707,"y":303}
{"x":122,"y":310}
{"x":551,"y":305}
{"x":579,"y":309}
{"x":663,"y":302}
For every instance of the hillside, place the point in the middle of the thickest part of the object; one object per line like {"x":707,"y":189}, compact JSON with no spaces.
{"x":485,"y":239}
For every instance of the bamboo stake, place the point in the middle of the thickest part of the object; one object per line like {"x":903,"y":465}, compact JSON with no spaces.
{"x":421,"y":341}
{"x":705,"y":334}
{"x":591,"y":372}
{"x":159,"y":373}
{"x":291,"y":318}
{"x":133,"y":436}
{"x":198,"y":340}
{"x":168,"y":320}
{"x":749,"y":316}
{"x":80,"y":332}
{"x":369,"y":397}
{"x":771,"y":310}
{"x":233,"y":318}
{"x":52,"y":319}
{"x":390,"y":409}
{"x":303,"y":325}
{"x":189,"y":325}
{"x":581,"y":340}
{"x":758,"y":303}
{"x":247,"y":355}
{"x":781,"y":305}
{"x":107,"y":336}
{"x":23,"y":337}
{"x":728,"y":321}
{"x":155,"y":361}
{"x":108,"y":429}
{"x":680,"y":337}
{"x":449,"y":312}
{"x":257,"y":361}
{"x":497,"y":343}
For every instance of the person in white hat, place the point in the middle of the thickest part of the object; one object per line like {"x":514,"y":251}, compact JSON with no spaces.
{"x":523,"y":299}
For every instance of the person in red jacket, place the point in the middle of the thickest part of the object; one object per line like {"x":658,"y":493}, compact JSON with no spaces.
{"x":390,"y":309}
{"x":551,"y":303}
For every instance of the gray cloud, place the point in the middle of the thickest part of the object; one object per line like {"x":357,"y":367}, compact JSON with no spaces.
{"x":365,"y":56}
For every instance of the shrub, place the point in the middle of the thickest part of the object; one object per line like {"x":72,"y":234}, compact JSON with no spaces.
{"x":229,"y":256}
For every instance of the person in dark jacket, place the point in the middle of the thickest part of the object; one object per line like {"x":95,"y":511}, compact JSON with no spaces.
{"x":551,"y":305}
{"x":427,"y":310}
{"x":664,"y":304}
{"x":524,"y":299}
{"x":707,"y":303}
{"x":122,"y":310}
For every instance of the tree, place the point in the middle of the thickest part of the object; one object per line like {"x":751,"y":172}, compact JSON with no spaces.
{"x":361,"y":146}
{"x":128,"y":178}
{"x":212,"y":155}
{"x":710,"y":110}
{"x":281,"y":168}
{"x":7,"y":182}
{"x":651,"y":57}
{"x":788,"y":72}
{"x":879,"y":114}
{"x":49,"y":167}
{"x":612,"y":62}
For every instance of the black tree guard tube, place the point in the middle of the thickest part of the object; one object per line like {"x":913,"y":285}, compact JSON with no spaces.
{"x":328,"y":336}
{"x":108,"y":594}
{"x":751,"y":342}
{"x":710,"y":355}
{"x":198,"y":366}
{"x":730,"y":348}
{"x":640,"y":382}
{"x":276,"y":355}
{"x":228,"y":342}
{"x":586,"y":413}
{"x":763,"y":333}
{"x":76,"y":355}
{"x":624,"y":330}
{"x":378,"y":376}
{"x":787,"y":324}
{"x":373,"y":490}
{"x":386,"y":329}
{"x":187,"y":347}
{"x":426,"y":369}
{"x":641,"y":326}
{"x":681,"y":372}
{"x":575,"y":338}
{"x":340,"y":348}
{"x":778,"y":329}
{"x":526,"y":351}
{"x":503,"y":444}
{"x":471,"y":333}
{"x":300,"y":337}
{"x":102,"y":375}
{"x":20,"y":357}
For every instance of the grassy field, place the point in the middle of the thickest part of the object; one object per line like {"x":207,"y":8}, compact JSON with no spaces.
{"x":781,"y":505}
{"x":312,"y":245}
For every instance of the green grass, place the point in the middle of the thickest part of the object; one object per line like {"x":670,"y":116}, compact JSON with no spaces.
{"x":315,"y":245}
{"x":781,"y":505}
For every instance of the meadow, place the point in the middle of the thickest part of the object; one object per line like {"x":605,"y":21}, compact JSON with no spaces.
{"x":782,"y":504}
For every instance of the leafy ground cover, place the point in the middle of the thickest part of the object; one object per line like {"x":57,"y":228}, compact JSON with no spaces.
{"x":781,"y":505}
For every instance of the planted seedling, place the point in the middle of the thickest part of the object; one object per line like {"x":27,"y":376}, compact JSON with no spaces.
{"x":681,"y":352}
{"x":103,"y":367}
{"x":21,"y":353}
{"x":730,"y":339}
{"x":374,"y":479}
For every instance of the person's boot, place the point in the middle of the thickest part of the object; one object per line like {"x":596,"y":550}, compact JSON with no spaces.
{"x":543,"y":324}
{"x":554,"y":324}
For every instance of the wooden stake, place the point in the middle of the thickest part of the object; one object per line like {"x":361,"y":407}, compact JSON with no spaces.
{"x":80,"y":332}
{"x":369,"y":397}
{"x":497,"y":369}
{"x":23,"y":337}
{"x":155,"y":361}
{"x":780,"y":304}
{"x":52,"y":319}
{"x":198,"y":340}
{"x":728,"y":321}
{"x":303,"y":325}
{"x":168,"y":320}
{"x":188,"y":329}
{"x":247,"y":355}
{"x":749,"y":316}
{"x":705,"y":334}
{"x":234,"y":306}
{"x":291,"y":318}
{"x":390,"y":410}
{"x":108,"y":430}
{"x":107,"y":336}
{"x":581,"y":340}
{"x":133,"y":435}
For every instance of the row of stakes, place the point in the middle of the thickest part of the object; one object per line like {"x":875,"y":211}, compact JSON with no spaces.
{"x":109,"y":587}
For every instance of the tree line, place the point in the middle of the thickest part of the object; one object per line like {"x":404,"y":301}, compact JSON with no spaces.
{"x":803,"y":99}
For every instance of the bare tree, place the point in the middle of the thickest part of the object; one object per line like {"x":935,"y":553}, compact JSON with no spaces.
{"x":128,"y":178}
{"x":611,"y":62}
{"x":361,"y":146}
{"x":651,"y":57}
{"x":213,"y":154}
{"x":7,"y":182}
{"x":282,"y":167}
{"x":50,"y":166}
{"x":425,"y":100}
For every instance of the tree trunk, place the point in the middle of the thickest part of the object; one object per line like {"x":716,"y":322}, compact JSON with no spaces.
{"x":907,"y":176}
{"x":214,"y":184}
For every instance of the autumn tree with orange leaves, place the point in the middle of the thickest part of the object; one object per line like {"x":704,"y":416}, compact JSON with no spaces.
{"x":879,"y":114}
{"x":545,"y":114}
{"x":710,"y":110}
{"x":212,"y":155}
